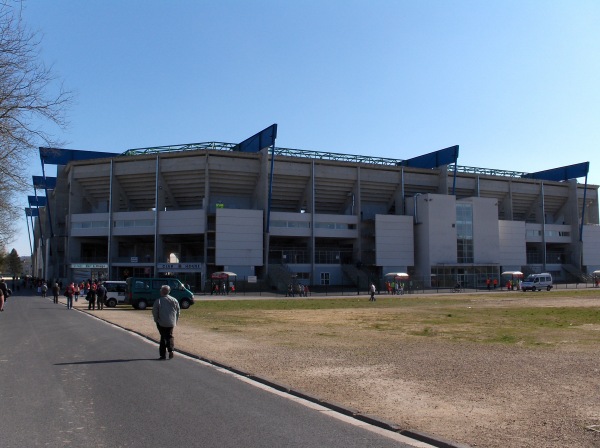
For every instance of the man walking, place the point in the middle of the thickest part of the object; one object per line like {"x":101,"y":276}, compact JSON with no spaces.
{"x":91,"y":297}
{"x":69,"y":293}
{"x":100,"y":296}
{"x":55,"y":292}
{"x":166,"y":314}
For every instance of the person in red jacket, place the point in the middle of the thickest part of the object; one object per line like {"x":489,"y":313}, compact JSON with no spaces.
{"x":69,"y":293}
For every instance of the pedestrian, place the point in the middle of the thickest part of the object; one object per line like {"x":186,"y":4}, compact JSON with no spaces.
{"x":372,"y":291}
{"x":166,"y":314}
{"x":6,"y":292}
{"x":69,"y":292}
{"x":101,"y":296}
{"x":76,"y":292}
{"x":55,"y":292}
{"x":43,"y":289}
{"x":91,"y":298}
{"x":495,"y":283}
{"x":488,"y":283}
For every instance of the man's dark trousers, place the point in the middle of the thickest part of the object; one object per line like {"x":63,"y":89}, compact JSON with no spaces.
{"x":167,"y":341}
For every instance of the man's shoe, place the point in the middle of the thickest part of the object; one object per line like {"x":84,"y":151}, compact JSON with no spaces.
{"x":171,"y":354}
{"x":161,"y":358}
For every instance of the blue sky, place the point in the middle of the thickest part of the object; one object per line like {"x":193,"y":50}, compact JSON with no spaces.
{"x":515,"y":83}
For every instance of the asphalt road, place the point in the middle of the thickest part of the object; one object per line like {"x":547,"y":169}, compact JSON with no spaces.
{"x":68,"y":379}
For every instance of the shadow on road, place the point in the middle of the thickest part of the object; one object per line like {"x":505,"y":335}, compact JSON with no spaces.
{"x":104,"y":362}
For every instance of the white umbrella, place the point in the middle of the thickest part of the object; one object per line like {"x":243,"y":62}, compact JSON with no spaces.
{"x":397,"y":274}
{"x":596,"y":273}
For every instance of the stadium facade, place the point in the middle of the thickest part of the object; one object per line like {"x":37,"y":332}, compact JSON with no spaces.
{"x":318,"y":218}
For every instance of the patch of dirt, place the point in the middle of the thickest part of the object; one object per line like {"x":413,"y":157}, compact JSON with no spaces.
{"x":479,"y":394}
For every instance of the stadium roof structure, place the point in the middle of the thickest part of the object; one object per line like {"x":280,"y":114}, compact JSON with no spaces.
{"x":317,"y":155}
{"x":184,"y":184}
{"x":63,"y":156}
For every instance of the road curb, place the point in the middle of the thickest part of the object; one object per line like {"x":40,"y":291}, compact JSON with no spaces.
{"x":432,"y":440}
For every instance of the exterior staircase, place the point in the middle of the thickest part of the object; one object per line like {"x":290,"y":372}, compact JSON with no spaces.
{"x":356,"y":276}
{"x":573,"y":272}
{"x":279,"y":277}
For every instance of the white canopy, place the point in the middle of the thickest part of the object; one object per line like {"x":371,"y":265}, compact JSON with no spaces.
{"x":513,"y":273}
{"x":396,"y":274}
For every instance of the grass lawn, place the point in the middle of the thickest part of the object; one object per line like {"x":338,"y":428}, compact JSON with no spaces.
{"x":527,"y":319}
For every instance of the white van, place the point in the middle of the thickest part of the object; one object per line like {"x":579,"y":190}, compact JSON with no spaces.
{"x":115,"y":292}
{"x":535,"y":282}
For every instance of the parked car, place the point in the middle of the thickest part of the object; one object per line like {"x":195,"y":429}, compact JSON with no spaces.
{"x":115,"y":292}
{"x":535,"y":282}
{"x":142,"y":292}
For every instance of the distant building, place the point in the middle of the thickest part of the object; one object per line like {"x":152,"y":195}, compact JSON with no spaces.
{"x":327,"y":219}
{"x":27,"y":268}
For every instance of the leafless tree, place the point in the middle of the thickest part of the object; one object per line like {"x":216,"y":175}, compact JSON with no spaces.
{"x":30,"y":99}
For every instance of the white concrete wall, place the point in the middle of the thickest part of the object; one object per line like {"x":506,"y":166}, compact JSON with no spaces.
{"x":512,"y":243}
{"x":172,"y":222}
{"x":239,"y":237}
{"x":434,"y":230}
{"x":439,"y":217}
{"x":591,"y":245}
{"x":486,"y":243}
{"x":394,"y":240}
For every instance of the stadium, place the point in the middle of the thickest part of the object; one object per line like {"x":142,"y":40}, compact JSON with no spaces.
{"x":281,"y":216}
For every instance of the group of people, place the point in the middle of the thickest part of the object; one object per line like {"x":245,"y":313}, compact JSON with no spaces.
{"x":95,"y":294}
{"x":394,"y":287}
{"x":300,"y":290}
{"x":220,"y":288}
{"x":513,"y":284}
{"x":489,"y":283}
{"x":93,"y":291}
